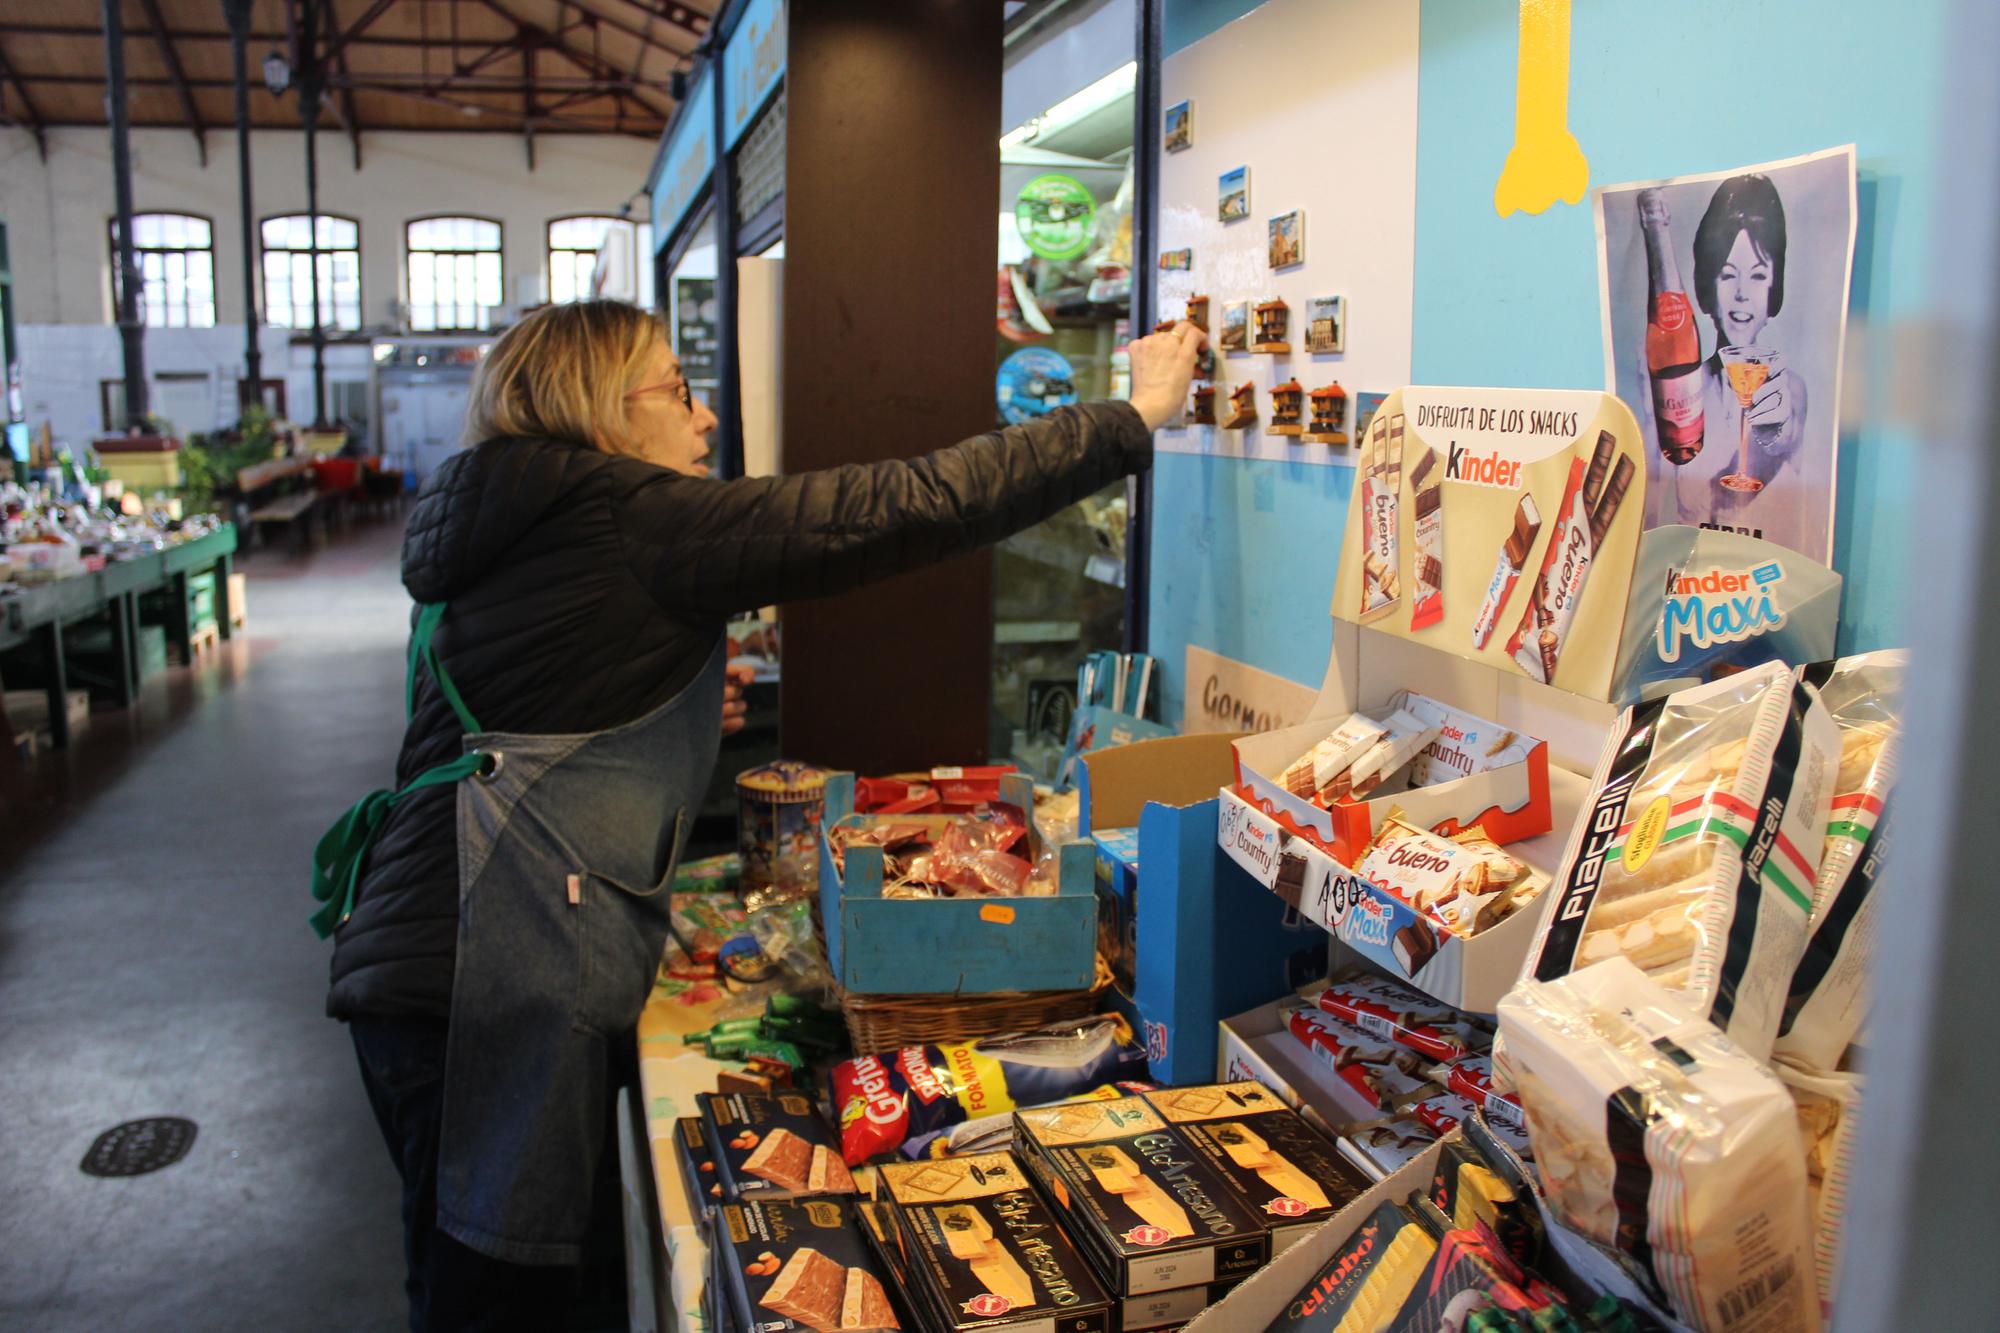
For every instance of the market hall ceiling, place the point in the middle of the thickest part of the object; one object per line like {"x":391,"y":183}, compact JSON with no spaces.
{"x":540,"y":66}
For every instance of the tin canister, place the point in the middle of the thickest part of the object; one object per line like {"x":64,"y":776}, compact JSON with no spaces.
{"x":778,"y":811}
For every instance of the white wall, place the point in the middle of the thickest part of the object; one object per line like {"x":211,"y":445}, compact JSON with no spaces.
{"x":56,"y":211}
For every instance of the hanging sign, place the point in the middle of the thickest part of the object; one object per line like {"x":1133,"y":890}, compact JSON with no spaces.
{"x":1056,"y":216}
{"x":1033,"y":382}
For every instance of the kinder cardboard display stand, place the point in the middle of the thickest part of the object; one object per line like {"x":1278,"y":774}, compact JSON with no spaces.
{"x":1487,"y":582}
{"x":1205,"y":943}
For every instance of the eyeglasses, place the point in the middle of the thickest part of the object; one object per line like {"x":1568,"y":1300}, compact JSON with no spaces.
{"x":681,"y":390}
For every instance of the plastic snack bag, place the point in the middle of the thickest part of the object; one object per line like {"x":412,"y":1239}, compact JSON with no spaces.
{"x":1829,"y":1108}
{"x":1829,"y":992}
{"x":1658,"y":1137}
{"x":1697,"y":853}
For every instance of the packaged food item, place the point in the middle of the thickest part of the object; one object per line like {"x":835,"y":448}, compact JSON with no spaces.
{"x":800,"y":1265}
{"x":1322,"y":772}
{"x":1829,"y":1108}
{"x":779,"y":808}
{"x":1395,"y":1012}
{"x":1290,"y":1177}
{"x":1446,"y":1111}
{"x":771,"y":1147}
{"x":995,"y":1133}
{"x":1405,"y":734}
{"x":1469,"y":1188}
{"x":1140,"y":1202}
{"x":1383,"y":1147}
{"x":697,"y":1166}
{"x":1385,"y":1075}
{"x":1368,"y":1279}
{"x":1660,"y":1138}
{"x":1381,"y":503}
{"x":1829,"y":991}
{"x":1696,"y":854}
{"x":1582,"y":523}
{"x":1471,"y":1077}
{"x":1168,"y":1311}
{"x":1465,"y":883}
{"x":983,"y":1250}
{"x":1427,"y":503}
{"x":885,"y":1101}
{"x":1514,"y":554}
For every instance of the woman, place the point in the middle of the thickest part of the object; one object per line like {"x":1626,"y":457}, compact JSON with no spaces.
{"x":498,"y":918}
{"x":1739,"y":278}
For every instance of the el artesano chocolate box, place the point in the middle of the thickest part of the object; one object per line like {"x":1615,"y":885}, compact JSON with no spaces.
{"x":1146,"y":1207}
{"x":983,"y":1251}
{"x":1291,"y":1177}
{"x":800,"y":1267}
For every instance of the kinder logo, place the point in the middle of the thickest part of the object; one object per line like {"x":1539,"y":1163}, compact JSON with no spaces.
{"x":1488,"y":469}
{"x":1367,"y":922}
{"x":1716,"y":606}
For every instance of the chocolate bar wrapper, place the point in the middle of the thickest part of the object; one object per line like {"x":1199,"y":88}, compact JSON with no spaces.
{"x":800,"y":1266}
{"x":1291,"y":1178}
{"x":1464,"y":883}
{"x":1658,"y":1137}
{"x":697,"y":1166}
{"x":984,"y":1251}
{"x":1405,"y":736}
{"x":1427,"y":505}
{"x":1469,"y":1190}
{"x":1385,"y":1146}
{"x":1698,"y":849}
{"x":1471,"y":1077}
{"x":1398,"y":1013}
{"x":1368,"y":1279}
{"x":1381,"y":501}
{"x":1537,"y":644}
{"x":886,"y":1101}
{"x":1385,"y":1076}
{"x":1514,"y":553}
{"x":771,"y":1147}
{"x":1468,"y":1274}
{"x":1136,"y":1197}
{"x":1828,"y":996}
{"x":1322,"y":769}
{"x":1829,"y":1108}
{"x":1452,"y":1110}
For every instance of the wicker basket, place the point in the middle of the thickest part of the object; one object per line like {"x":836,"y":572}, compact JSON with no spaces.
{"x":880,"y":1023}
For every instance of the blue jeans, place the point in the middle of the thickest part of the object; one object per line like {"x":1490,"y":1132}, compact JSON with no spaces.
{"x":450,"y":1285}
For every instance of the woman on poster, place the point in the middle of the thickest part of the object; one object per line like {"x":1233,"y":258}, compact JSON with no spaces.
{"x":1753,"y":411}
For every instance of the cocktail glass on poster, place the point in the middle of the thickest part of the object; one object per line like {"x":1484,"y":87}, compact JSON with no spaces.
{"x":1724,"y":300}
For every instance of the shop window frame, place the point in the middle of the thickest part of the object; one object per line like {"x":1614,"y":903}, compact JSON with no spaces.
{"x":301,"y":298}
{"x":187,"y":253}
{"x":411,"y":250}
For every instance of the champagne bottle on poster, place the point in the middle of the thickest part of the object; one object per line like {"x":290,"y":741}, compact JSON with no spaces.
{"x":1673,"y":343}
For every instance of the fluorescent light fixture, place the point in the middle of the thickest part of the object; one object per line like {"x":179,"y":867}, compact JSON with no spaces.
{"x":1118,"y":83}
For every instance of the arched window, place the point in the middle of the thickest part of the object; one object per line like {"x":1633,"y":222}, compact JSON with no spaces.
{"x":454,"y":273}
{"x":573,"y":246}
{"x":176,"y":257}
{"x":288,"y":246}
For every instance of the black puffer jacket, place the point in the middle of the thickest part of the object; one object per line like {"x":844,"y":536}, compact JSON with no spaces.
{"x":587,"y":589}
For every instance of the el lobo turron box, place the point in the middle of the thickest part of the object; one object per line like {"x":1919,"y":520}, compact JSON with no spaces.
{"x":984,"y":1251}
{"x":1143,"y":1204}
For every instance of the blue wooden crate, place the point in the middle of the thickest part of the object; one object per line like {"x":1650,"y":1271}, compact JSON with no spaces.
{"x":953,"y":946}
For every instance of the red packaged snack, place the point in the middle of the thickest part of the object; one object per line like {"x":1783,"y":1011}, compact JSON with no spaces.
{"x":1448,"y":1110}
{"x":1407,"y":1017}
{"x":1385,"y":1074}
{"x":1472,"y":1078}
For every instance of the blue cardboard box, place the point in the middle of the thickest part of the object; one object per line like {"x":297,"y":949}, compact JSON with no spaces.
{"x":1207,"y":940}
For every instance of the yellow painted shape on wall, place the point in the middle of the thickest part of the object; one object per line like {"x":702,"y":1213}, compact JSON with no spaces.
{"x":1546,"y":164}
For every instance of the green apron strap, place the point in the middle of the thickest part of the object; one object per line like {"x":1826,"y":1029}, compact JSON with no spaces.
{"x":338,"y":857}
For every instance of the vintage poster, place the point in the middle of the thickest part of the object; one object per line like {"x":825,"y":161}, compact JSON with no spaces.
{"x":1724,"y":303}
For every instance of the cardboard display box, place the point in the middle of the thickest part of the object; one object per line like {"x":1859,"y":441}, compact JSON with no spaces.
{"x":798,"y":1267}
{"x":953,"y":946}
{"x":1205,"y":943}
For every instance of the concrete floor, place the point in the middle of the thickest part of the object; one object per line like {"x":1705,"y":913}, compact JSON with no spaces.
{"x":155,"y":960}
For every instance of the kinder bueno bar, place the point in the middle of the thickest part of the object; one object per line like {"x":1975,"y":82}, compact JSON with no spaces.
{"x":1394,"y":1012}
{"x":1465,"y":883}
{"x":1405,"y":734}
{"x":1381,"y":500}
{"x":1427,"y":503}
{"x":1514,"y":554}
{"x":1471,"y":1077}
{"x":1537,"y":644}
{"x":1449,"y":1110}
{"x":885,"y":1101}
{"x":1828,"y":996}
{"x":1697,"y":853}
{"x":1384,"y":1074}
{"x":1600,"y":467}
{"x":1323,"y":771}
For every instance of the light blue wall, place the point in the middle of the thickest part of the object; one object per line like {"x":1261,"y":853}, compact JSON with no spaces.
{"x":1655,"y":90}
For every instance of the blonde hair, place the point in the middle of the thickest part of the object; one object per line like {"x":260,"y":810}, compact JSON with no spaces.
{"x":562,"y":373}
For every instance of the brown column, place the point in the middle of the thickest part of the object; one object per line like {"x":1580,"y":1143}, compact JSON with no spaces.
{"x":891,"y":189}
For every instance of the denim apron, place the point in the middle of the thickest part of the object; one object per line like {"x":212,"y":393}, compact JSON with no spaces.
{"x":566,"y":850}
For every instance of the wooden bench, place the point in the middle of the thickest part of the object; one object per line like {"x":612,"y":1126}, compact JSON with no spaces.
{"x":280,"y":492}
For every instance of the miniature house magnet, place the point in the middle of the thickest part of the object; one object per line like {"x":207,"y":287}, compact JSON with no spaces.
{"x":1197,"y":312}
{"x":1242,"y":407}
{"x":1329,"y":415}
{"x":1204,"y":405}
{"x":1272,"y":319}
{"x":1286,"y":404}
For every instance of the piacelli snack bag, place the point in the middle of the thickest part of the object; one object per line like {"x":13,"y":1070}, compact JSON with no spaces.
{"x":1697,"y":853}
{"x":1658,"y":1137}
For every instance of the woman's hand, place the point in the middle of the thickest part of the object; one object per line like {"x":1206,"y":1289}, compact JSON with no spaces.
{"x":1778,"y":411}
{"x":1162,"y":369}
{"x":737,"y":675}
